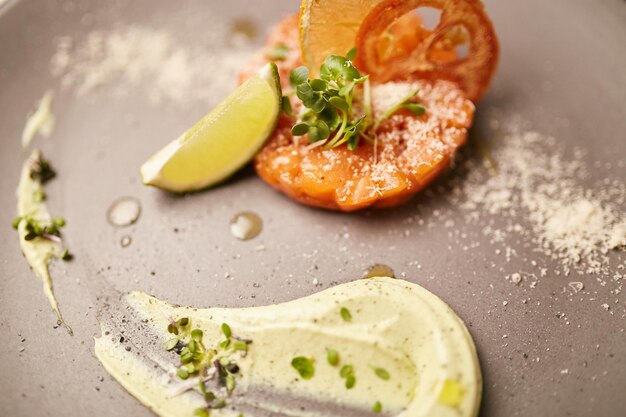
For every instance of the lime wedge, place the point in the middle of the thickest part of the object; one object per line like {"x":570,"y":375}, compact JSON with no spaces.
{"x":223,"y":141}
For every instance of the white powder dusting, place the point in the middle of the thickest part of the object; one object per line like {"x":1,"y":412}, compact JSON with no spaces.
{"x":567,"y":222}
{"x":135,"y":59}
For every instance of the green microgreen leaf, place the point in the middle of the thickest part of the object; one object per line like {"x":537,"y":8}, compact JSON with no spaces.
{"x":378,"y":407}
{"x":300,"y":129}
{"x":230,"y":383}
{"x":346,"y":370}
{"x":299,"y":76}
{"x":304,"y":366}
{"x":329,"y":99}
{"x":170,"y":344}
{"x":323,"y":129}
{"x":345,"y":314}
{"x":416,"y":109}
{"x":172,"y":328}
{"x":382,"y":373}
{"x":278,"y":52}
{"x":404,"y":103}
{"x":182,"y":373}
{"x":209,"y":396}
{"x":305,"y":93}
{"x":201,"y":412}
{"x":226,"y":330}
{"x":66,"y":255}
{"x":332,"y":356}
{"x":350,"y":381}
{"x":196,"y":335}
{"x":58,"y":221}
{"x":340,"y":103}
{"x":183,"y":322}
{"x":317,"y":103}
{"x":318,"y":85}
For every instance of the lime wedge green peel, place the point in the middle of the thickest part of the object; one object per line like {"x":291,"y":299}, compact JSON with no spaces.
{"x":223,"y":141}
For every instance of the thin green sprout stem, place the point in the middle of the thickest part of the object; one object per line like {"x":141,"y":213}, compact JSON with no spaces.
{"x":395,"y":108}
{"x":339,"y":133}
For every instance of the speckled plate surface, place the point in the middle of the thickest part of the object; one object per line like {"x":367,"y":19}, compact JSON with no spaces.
{"x":561,"y":60}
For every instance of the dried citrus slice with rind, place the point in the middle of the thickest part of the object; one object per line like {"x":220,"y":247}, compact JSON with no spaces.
{"x":428,"y":59}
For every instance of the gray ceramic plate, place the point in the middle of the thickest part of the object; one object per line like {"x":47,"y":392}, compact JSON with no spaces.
{"x":575,"y":46}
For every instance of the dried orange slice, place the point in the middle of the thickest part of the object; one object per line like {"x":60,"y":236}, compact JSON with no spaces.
{"x":393,"y":45}
{"x":329,"y":27}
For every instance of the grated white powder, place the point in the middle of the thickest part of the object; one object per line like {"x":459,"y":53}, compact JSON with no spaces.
{"x":153,"y":62}
{"x":567,"y":222}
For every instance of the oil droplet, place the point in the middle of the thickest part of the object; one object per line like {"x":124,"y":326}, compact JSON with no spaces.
{"x":124,"y":212}
{"x":126,"y":241}
{"x":379,"y":270}
{"x":246,"y":225}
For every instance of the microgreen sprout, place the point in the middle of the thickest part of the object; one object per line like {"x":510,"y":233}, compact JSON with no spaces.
{"x":347,"y":372}
{"x":328,"y":116}
{"x":41,"y":170}
{"x":196,"y":360}
{"x":332,"y":356}
{"x":403,"y":103}
{"x":382,"y":373}
{"x":345,"y":314}
{"x":328,"y":102}
{"x":39,"y":229}
{"x":378,"y":407}
{"x":304,"y":366}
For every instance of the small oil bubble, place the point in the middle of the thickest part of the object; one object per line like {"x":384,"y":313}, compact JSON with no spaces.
{"x":246,"y":225}
{"x":379,"y":270}
{"x":126,"y":241}
{"x":124,"y":211}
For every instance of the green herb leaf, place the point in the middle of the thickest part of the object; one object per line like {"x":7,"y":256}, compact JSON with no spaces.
{"x":416,"y":109}
{"x":346,"y":370}
{"x":340,"y":103}
{"x":299,"y":76}
{"x":58,"y":221}
{"x":230,"y":383}
{"x":332,"y":357}
{"x":196,"y":334}
{"x":345,"y":314}
{"x":170,"y":344}
{"x":305,"y":93}
{"x":279,"y":52}
{"x":378,"y":407}
{"x":304,"y":366}
{"x":350,"y":381}
{"x":226,"y":330}
{"x":300,"y":129}
{"x":382,"y":373}
{"x":182,"y":373}
{"x":66,"y":255}
{"x":201,"y":412}
{"x":184,"y":322}
{"x":318,"y":85}
{"x":172,"y":328}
